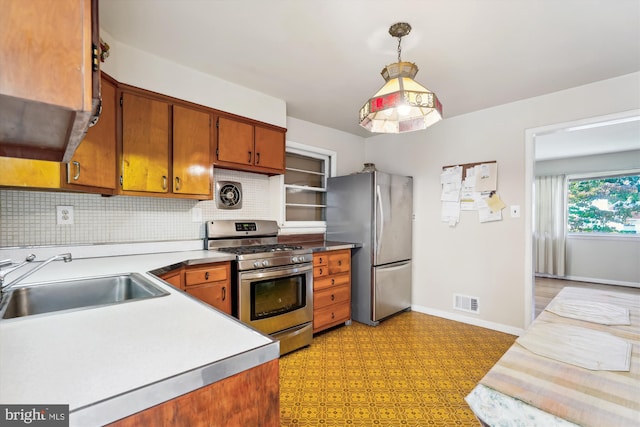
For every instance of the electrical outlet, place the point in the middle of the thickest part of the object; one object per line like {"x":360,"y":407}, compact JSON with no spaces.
{"x":196,"y":215}
{"x":64,"y":215}
{"x":515,"y":211}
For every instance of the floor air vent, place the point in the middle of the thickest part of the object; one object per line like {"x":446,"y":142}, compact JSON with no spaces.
{"x":466,"y":303}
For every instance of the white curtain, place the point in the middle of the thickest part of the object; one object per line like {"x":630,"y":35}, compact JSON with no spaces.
{"x":550,"y":224}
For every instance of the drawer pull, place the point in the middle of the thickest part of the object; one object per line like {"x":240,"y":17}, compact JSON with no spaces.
{"x":333,"y":316}
{"x":333,"y":297}
{"x":206,"y":276}
{"x":224,"y":293}
{"x":340,"y":262}
{"x":333,"y":281}
{"x":320,"y":260}
{"x":320,"y":271}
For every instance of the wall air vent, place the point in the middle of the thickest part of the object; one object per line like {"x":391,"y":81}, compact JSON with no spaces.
{"x":228,"y":195}
{"x":466,"y":303}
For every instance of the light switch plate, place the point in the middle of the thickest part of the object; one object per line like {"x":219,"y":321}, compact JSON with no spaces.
{"x":64,"y":215}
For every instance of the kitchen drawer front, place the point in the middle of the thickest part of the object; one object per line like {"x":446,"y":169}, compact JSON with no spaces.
{"x":331,"y":282}
{"x":208,"y":274}
{"x":331,"y":316}
{"x":321,"y":271}
{"x":321,"y":258}
{"x":340,"y":262}
{"x":215,"y":294}
{"x":174,"y":278}
{"x":331,"y":296}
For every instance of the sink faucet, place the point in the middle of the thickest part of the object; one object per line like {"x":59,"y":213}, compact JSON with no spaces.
{"x":3,"y":273}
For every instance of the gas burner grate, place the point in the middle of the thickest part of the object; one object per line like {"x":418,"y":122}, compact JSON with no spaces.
{"x":256,"y":249}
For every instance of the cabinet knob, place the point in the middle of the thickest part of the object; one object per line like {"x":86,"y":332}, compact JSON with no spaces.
{"x":333,"y":281}
{"x":340,"y":262}
{"x":333,"y":297}
{"x":320,"y":260}
{"x":320,"y":271}
{"x":206,"y":275}
{"x":333,"y":316}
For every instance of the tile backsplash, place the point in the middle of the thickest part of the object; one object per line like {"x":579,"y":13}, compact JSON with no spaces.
{"x":28,"y":218}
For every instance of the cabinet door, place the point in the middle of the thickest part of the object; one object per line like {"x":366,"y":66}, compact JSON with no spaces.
{"x":94,"y":162}
{"x":191,"y":151}
{"x":215,"y":294}
{"x":270,"y":147}
{"x":235,"y":142}
{"x":145,"y":144}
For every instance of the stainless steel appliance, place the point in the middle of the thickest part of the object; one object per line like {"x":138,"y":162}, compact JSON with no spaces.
{"x":273,"y":289}
{"x":374,"y":209}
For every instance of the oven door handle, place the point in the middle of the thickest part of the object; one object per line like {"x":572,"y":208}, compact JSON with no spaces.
{"x":269,"y":273}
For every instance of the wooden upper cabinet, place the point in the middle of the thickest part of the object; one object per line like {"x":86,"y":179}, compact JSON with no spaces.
{"x":253,"y":148}
{"x":94,"y":162}
{"x":48,"y":76}
{"x":191,"y":151}
{"x":145,"y":144}
{"x":270,"y":148}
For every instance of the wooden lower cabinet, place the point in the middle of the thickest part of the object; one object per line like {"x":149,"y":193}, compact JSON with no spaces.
{"x":174,"y":278}
{"x":331,"y":289}
{"x":249,"y":398}
{"x":210,"y":283}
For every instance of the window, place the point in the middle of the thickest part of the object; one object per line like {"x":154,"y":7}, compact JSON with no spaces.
{"x":305,"y":184}
{"x":604,"y":204}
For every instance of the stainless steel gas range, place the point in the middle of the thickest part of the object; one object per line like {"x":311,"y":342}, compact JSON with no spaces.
{"x":273,"y":289}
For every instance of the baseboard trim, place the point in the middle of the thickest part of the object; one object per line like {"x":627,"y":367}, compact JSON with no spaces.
{"x":591,"y":280}
{"x":468,"y":320}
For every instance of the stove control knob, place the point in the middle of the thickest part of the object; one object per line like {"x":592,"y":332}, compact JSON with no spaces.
{"x":257,"y":264}
{"x":265,"y":263}
{"x":295,"y":259}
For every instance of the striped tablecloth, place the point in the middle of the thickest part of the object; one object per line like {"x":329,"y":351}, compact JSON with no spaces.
{"x":585,"y":397}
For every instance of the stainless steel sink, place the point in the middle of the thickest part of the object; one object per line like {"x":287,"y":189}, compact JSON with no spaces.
{"x":77,"y":294}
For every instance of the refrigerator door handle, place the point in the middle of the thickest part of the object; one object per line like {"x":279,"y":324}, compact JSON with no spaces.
{"x":393,"y":267}
{"x":379,"y":236}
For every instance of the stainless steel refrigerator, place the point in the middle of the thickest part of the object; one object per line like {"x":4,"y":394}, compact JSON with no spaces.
{"x":374,"y":209}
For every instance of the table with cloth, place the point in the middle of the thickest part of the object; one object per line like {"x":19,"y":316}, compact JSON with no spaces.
{"x":577,"y":364}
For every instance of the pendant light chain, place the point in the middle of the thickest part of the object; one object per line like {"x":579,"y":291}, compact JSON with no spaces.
{"x":399,"y":49}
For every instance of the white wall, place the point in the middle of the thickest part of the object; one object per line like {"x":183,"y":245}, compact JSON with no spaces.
{"x":138,"y":68}
{"x":491,"y":261}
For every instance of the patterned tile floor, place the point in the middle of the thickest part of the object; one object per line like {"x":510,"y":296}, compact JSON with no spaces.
{"x":411,"y":370}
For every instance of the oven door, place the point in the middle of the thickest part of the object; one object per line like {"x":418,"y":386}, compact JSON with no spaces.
{"x":275,"y":299}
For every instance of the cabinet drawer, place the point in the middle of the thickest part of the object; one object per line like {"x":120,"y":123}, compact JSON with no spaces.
{"x":321,"y":258}
{"x":331,"y":316}
{"x":173,"y":278}
{"x":340,"y":262}
{"x":329,"y":282}
{"x":335,"y":295}
{"x":212,"y":273}
{"x":321,"y":271}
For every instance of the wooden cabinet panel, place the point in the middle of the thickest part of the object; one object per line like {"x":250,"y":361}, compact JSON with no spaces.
{"x":216,"y":294}
{"x":331,"y":289}
{"x":331,"y":316}
{"x":46,"y":82}
{"x":235,"y":141}
{"x":94,"y":162}
{"x":145,"y":144}
{"x":210,"y":283}
{"x":174,"y":278}
{"x":212,"y":273}
{"x":191,"y":151}
{"x":270,"y":148}
{"x":328,"y":282}
{"x":250,"y":398}
{"x":340,"y":262}
{"x":29,"y":173}
{"x":244,"y":146}
{"x":331,"y":296}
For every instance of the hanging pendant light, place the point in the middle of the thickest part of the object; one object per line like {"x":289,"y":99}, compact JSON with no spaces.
{"x":402,"y":104}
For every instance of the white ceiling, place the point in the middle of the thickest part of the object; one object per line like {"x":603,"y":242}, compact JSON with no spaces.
{"x":323,"y":57}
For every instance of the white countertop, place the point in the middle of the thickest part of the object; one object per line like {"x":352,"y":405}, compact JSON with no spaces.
{"x":112,"y":361}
